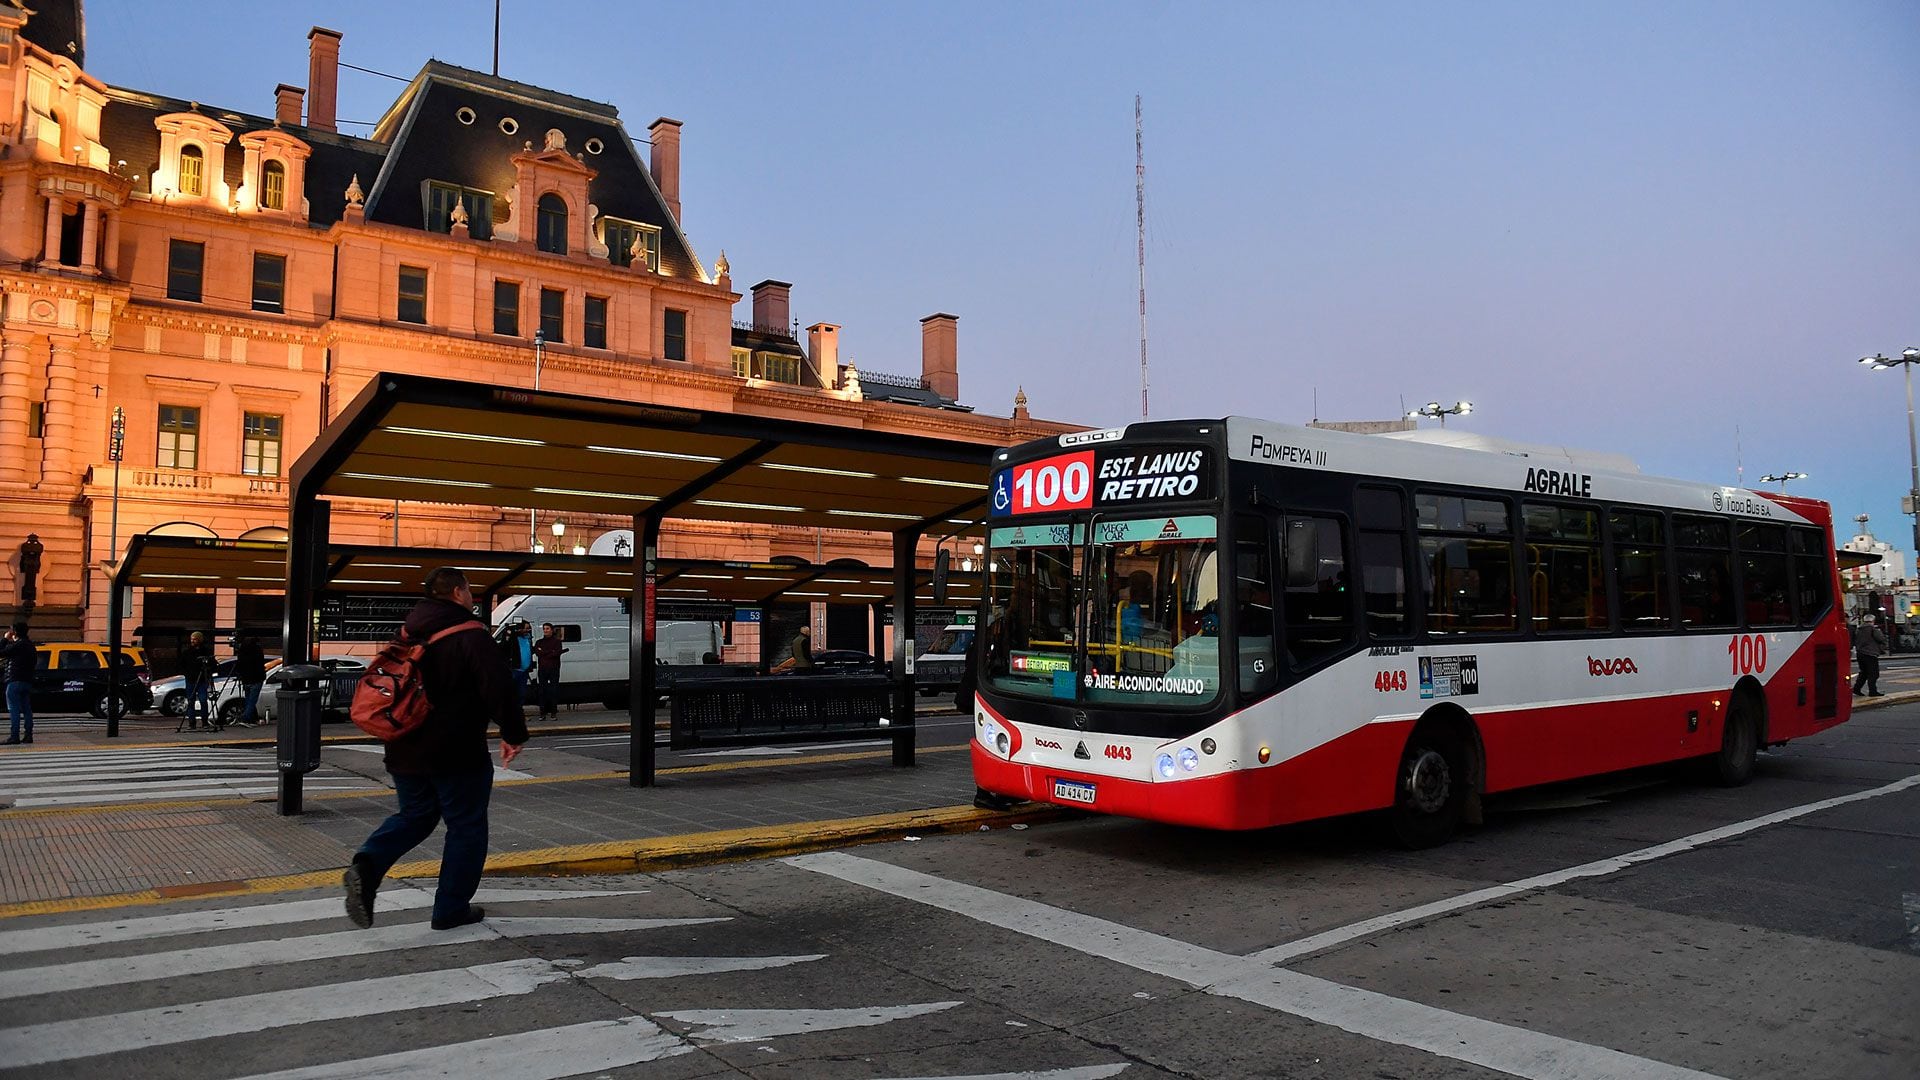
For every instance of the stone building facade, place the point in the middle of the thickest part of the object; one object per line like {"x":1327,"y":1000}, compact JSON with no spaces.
{"x":228,"y":280}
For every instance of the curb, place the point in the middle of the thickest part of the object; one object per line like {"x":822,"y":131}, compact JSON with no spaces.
{"x":609,"y":857}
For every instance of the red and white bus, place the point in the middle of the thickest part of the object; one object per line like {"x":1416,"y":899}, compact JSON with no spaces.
{"x":1236,"y":624}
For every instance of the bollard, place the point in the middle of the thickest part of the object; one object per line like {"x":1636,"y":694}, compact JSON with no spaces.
{"x":297,"y":738}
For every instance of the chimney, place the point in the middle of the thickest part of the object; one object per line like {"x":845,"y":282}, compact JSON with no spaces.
{"x":323,"y":77}
{"x":823,"y":344}
{"x":939,"y":354}
{"x":770,"y":306}
{"x":286,"y":104}
{"x":666,"y":162}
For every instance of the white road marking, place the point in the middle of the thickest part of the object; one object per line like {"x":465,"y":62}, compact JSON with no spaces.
{"x":394,"y":897}
{"x":753,"y":1025}
{"x":1293,"y":950}
{"x":146,"y":967}
{"x":549,"y":1054}
{"x":630,"y":968}
{"x":262,"y":787}
{"x":1085,"y":1072}
{"x":1513,"y":1050}
{"x":1910,"y":904}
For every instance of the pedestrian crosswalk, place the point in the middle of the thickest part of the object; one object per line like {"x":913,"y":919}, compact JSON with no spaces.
{"x":146,"y":774}
{"x":240,"y":991}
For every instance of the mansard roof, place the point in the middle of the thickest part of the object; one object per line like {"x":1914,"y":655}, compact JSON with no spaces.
{"x":56,"y":26}
{"x":431,"y":138}
{"x":127,"y":131}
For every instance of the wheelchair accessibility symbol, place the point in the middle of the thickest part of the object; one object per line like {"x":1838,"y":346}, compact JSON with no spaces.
{"x":1002,"y":494}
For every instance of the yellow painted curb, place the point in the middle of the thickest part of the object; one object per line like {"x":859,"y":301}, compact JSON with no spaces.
{"x":609,"y":857}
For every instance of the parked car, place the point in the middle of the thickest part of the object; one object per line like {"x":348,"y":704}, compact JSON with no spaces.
{"x":171,"y":692}
{"x":232,"y":702}
{"x":72,"y":676}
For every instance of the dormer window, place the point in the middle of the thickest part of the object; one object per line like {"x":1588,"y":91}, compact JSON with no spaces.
{"x":553,"y":224}
{"x":621,"y":236}
{"x":192,"y":167}
{"x":441,"y":199}
{"x":273,"y":186}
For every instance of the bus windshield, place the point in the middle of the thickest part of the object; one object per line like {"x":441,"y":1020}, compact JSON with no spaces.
{"x":1125,"y":615}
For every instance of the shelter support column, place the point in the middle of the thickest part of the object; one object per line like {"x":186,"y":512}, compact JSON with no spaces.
{"x":116,"y":614}
{"x":906,"y":546}
{"x":308,"y":522}
{"x":641,"y":754}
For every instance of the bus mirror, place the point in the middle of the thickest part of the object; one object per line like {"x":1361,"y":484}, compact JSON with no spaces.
{"x":1302,"y":555}
{"x":940,"y":560}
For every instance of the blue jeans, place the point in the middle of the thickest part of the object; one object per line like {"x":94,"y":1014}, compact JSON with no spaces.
{"x":20,"y":707}
{"x":461,"y":799}
{"x":200,"y":700}
{"x":520,"y":684}
{"x":251,"y":714}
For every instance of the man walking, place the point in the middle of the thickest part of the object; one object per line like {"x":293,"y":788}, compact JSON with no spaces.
{"x":546,"y":654}
{"x":1869,"y":644}
{"x":442,"y":769}
{"x":19,"y":653}
{"x":250,"y":667}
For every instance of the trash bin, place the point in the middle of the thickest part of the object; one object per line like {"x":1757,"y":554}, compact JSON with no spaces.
{"x":298,"y":738}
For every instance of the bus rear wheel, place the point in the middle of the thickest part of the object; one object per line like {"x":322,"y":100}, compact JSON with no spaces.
{"x":1430,"y":788}
{"x":1733,"y":765}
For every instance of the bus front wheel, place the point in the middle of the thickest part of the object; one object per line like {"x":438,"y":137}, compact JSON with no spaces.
{"x":1430,"y":788}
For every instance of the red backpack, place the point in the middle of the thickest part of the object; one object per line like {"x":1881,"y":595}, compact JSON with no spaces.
{"x":391,"y":699}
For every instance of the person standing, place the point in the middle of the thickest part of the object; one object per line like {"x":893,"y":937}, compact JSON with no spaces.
{"x":802,"y":650}
{"x":516,"y":648}
{"x":250,"y":667}
{"x":20,"y":655}
{"x":196,"y":663}
{"x":546,"y":655}
{"x":442,"y":770}
{"x":1869,"y":644}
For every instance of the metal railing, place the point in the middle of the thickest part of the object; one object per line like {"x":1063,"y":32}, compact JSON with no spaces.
{"x":881,"y":378}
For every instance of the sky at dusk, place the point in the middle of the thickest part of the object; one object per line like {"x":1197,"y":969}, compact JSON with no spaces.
{"x":1664,"y":230}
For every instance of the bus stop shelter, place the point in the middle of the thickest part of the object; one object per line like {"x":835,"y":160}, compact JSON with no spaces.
{"x":417,"y":439}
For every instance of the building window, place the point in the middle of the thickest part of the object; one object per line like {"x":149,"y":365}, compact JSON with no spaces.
{"x":178,"y":446}
{"x":185,"y":258}
{"x":676,"y":327}
{"x":260,"y":445}
{"x":553,"y":224}
{"x":621,"y":236}
{"x":192,"y":166}
{"x":413,"y":294}
{"x":775,"y":367}
{"x":506,"y":308}
{"x":742,"y":363}
{"x":595,"y":336}
{"x":441,"y":199}
{"x":269,"y":282}
{"x":273,"y":186}
{"x":36,"y":419}
{"x":553,"y":314}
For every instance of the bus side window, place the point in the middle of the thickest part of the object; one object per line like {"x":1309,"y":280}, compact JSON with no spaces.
{"x":1469,"y":575}
{"x":1319,"y":609}
{"x":1766,"y":574}
{"x":1253,"y":604}
{"x":1640,"y":568}
{"x":1813,"y":578}
{"x":1705,"y":560}
{"x":1380,"y":514}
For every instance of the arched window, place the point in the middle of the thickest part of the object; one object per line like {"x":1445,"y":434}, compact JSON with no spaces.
{"x":273,"y":186}
{"x":553,"y":224}
{"x":192,"y":163}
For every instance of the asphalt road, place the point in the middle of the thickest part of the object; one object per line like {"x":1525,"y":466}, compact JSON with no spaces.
{"x":1640,"y":925}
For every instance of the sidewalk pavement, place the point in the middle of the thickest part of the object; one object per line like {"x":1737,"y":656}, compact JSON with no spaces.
{"x":556,"y":813}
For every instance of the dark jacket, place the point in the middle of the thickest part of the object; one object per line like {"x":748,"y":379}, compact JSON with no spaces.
{"x":470,"y":688}
{"x":546,"y":654}
{"x":249,"y":663}
{"x":802,"y":649}
{"x":197,"y":664}
{"x":19,"y":656}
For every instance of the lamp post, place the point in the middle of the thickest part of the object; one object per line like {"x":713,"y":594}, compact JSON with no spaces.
{"x":539,"y":358}
{"x":1907,"y":358}
{"x":116,"y":449}
{"x":1782,"y":478}
{"x":1432,"y":408}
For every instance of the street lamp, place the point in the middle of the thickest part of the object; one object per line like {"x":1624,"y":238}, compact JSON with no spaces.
{"x":539,"y":357}
{"x":1907,"y":358}
{"x":1432,"y":408}
{"x":1782,"y":478}
{"x":116,"y":449}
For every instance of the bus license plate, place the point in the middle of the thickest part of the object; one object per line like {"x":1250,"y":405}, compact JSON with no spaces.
{"x":1073,"y":791}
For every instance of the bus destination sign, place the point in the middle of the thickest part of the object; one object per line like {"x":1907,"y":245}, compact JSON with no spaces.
{"x":1105,"y":476}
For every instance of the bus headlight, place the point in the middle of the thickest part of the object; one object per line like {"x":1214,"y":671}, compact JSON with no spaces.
{"x":1165,"y":765}
{"x":1188,"y":759}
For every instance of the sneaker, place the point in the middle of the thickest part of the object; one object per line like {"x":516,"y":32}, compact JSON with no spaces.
{"x":474,"y":914}
{"x":361,"y":888}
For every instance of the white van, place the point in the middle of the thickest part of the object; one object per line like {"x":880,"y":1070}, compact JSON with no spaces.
{"x":943,"y":662}
{"x":594,"y":630}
